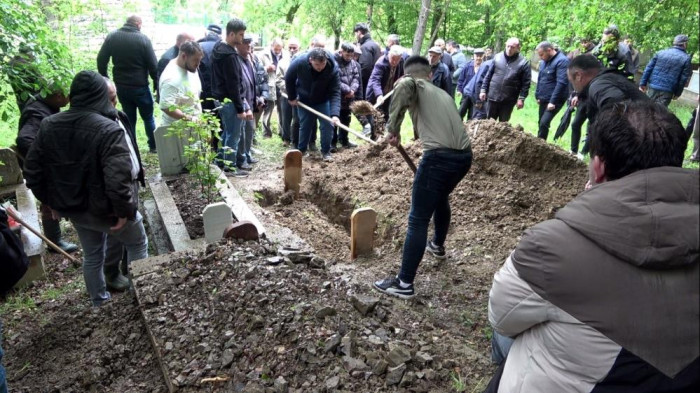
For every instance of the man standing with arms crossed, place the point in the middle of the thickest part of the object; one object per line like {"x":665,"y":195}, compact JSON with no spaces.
{"x":507,"y":83}
{"x":447,"y":157}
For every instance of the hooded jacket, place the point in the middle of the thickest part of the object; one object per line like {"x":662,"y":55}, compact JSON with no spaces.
{"x":605,"y":297}
{"x":226,"y":76}
{"x":80,"y":160}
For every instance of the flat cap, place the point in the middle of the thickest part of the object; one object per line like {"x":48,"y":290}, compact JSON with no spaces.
{"x":436,"y":49}
{"x":680,"y":39}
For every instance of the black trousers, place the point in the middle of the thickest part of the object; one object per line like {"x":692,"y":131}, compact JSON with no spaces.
{"x":500,"y":110}
{"x":339,"y":134}
{"x":545,"y":119}
{"x":576,"y":124}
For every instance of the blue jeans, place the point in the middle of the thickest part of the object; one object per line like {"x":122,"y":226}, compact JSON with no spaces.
{"x":140,"y":98}
{"x":3,"y":380}
{"x":231,"y":135}
{"x":98,"y":243}
{"x":439,"y":172}
{"x":500,"y":346}
{"x":246,"y":142}
{"x":307,"y":122}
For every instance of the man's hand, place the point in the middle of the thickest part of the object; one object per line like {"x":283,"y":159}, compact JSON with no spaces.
{"x":643,"y":89}
{"x":271,"y":68}
{"x":393,"y":139}
{"x":574,"y":102}
{"x":380,"y":100}
{"x":121,"y":221}
{"x":482,"y":96}
{"x":292,"y":102}
{"x":538,"y":102}
{"x":335,"y":121}
{"x":520,"y":104}
{"x":249,"y":115}
{"x":55,"y":215}
{"x":550,"y":107}
{"x":350,"y":95}
{"x":241,"y":115}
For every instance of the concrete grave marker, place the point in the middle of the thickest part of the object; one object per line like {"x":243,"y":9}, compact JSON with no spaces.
{"x":362,"y":224}
{"x":292,"y":171}
{"x":10,"y":172}
{"x":217,"y":217}
{"x":170,"y":151}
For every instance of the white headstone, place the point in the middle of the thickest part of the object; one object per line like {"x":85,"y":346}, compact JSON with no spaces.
{"x":217,"y":217}
{"x":170,"y":151}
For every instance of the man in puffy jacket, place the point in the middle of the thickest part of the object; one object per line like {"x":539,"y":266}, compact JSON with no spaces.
{"x":350,"y":76}
{"x":668,"y":72}
{"x":83,"y":164}
{"x":507,"y":83}
{"x":605,"y":296}
{"x":552,"y":85}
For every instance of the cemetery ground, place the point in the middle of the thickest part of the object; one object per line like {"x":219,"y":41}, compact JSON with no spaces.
{"x":253,"y":317}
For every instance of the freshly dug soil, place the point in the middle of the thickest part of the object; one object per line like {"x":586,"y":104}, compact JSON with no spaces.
{"x":62,"y":344}
{"x":190,"y":201}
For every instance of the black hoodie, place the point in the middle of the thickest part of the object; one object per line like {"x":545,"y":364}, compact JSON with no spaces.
{"x":80,"y":159}
{"x":226,"y":75}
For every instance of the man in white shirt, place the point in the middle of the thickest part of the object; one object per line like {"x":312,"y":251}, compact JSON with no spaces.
{"x":180,"y":85}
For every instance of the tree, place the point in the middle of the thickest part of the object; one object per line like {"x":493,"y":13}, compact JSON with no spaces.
{"x":420,"y":29}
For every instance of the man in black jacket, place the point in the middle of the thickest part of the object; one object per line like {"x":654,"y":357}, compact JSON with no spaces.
{"x":83,"y":165}
{"x":134,"y":60}
{"x":227,"y":88}
{"x":173,"y":51}
{"x":507,"y":83}
{"x":29,"y":122}
{"x":370,"y":54}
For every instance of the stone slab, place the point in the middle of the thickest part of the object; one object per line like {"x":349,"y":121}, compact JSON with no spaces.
{"x":362,"y":225}
{"x":217,"y":217}
{"x":234,"y":200}
{"x":174,"y":226}
{"x":170,"y":151}
{"x":158,"y":239}
{"x":10,"y":172}
{"x":292,"y":171}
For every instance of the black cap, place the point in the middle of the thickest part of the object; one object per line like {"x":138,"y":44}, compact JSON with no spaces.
{"x":363,"y":27}
{"x":214,"y":28}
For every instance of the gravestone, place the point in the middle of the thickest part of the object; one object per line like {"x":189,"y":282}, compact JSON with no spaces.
{"x":171,"y":151}
{"x":10,"y":172}
{"x":217,"y":217}
{"x":292,"y":171}
{"x":362,"y":224}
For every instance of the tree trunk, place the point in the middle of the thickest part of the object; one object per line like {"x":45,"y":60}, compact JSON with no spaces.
{"x":292,"y":12}
{"x":438,"y":21}
{"x":391,"y":26}
{"x":419,"y":35}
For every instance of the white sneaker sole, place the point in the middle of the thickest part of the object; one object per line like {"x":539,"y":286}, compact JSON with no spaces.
{"x":392,"y":293}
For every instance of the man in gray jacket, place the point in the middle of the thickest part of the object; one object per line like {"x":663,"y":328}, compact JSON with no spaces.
{"x":605,"y":296}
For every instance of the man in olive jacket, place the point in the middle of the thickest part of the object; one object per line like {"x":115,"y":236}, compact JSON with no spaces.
{"x":84,"y":166}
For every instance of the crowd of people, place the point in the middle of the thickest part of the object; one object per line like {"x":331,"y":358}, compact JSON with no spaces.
{"x":603,"y":297}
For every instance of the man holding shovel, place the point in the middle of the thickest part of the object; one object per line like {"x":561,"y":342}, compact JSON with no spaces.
{"x":447,"y":157}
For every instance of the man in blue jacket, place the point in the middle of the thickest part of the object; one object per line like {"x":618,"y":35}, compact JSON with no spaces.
{"x":313,"y":79}
{"x":668,"y":72}
{"x":552,"y":85}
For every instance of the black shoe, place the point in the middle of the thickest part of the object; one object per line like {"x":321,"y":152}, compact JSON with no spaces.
{"x":244,"y":166}
{"x":120,"y":283}
{"x":349,"y":145}
{"x":65,"y":246}
{"x":392,"y":286}
{"x":312,"y":147}
{"x":437,"y":251}
{"x":252,"y":160}
{"x":334,"y":149}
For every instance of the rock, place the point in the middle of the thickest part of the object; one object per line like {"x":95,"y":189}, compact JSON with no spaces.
{"x":348,"y":344}
{"x":169,"y":346}
{"x":364,"y":304}
{"x":226,"y":358}
{"x":257,"y":323}
{"x":352,"y":364}
{"x":275,"y":260}
{"x":380,"y":367}
{"x":422,"y":358}
{"x":394,"y":374}
{"x":287,"y":198}
{"x":325,"y":312}
{"x":253,"y":387}
{"x":295,"y":255}
{"x":317,"y":263}
{"x":281,"y":385}
{"x":408,"y":379}
{"x":430,"y":374}
{"x":326,"y":285}
{"x":332,"y":383}
{"x":332,"y":343}
{"x":398,"y":355}
{"x":375,"y":340}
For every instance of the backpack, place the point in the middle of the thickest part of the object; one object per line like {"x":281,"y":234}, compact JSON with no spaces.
{"x":13,"y":260}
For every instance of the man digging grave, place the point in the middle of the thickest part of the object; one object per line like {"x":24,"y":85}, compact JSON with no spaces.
{"x":447,"y":157}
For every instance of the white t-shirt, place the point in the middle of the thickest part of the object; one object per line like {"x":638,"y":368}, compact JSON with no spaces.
{"x":180,"y":88}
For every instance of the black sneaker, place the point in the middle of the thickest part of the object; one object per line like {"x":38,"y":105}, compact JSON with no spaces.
{"x":334,"y":149}
{"x":349,"y":145}
{"x":437,"y":251}
{"x":392,"y":286}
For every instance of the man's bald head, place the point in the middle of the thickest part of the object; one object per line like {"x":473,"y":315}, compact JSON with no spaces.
{"x":182,"y":38}
{"x":134,"y":20}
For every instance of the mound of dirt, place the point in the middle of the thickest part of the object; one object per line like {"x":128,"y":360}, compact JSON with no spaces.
{"x":244,"y":317}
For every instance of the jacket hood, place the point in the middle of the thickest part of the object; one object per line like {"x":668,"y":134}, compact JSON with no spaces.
{"x":221,"y":50}
{"x":649,"y":219}
{"x":88,"y":91}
